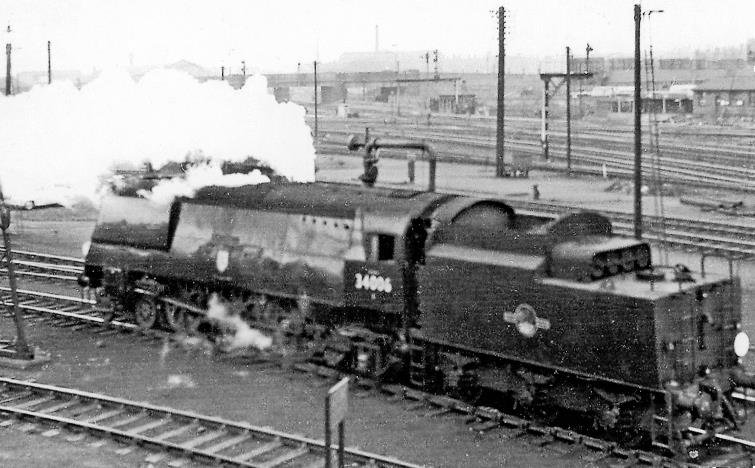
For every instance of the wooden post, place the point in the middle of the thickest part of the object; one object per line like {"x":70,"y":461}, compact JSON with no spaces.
{"x":637,"y":127}
{"x":544,"y":117}
{"x":315,"y":73}
{"x":500,"y":112}
{"x":49,"y":64}
{"x":568,"y":111}
{"x":7,"y":69}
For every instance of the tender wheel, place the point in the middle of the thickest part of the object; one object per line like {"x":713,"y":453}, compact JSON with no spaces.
{"x":145,"y":313}
{"x":174,"y":316}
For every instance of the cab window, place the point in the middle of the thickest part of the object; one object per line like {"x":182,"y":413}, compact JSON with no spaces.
{"x":382,"y":247}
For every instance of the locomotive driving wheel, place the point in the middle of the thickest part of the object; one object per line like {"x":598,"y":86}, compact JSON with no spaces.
{"x":145,"y":313}
{"x":174,"y":316}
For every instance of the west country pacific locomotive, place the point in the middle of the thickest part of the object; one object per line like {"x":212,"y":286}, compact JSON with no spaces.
{"x":449,"y":293}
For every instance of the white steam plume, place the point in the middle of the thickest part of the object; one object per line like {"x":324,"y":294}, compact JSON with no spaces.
{"x":59,"y":135}
{"x":197,"y":177}
{"x":244,"y":336}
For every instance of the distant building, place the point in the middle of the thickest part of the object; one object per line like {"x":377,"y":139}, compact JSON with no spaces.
{"x":378,"y":61}
{"x":729,"y":96}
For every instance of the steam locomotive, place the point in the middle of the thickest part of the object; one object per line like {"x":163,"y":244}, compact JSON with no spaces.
{"x":450,"y":293}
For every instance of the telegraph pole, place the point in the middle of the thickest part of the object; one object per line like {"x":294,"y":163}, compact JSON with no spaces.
{"x":398,"y":89}
{"x":499,"y":163}
{"x":222,"y":73}
{"x":568,"y":111}
{"x":436,"y":73}
{"x":7,"y":67}
{"x":637,"y":128}
{"x":49,"y":64}
{"x":315,"y":73}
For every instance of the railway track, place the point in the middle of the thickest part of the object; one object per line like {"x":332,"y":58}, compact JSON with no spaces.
{"x":735,"y":240}
{"x":69,"y":311}
{"x":211,"y":439}
{"x":45,"y":266}
{"x":586,"y":159}
{"x":169,"y":431}
{"x":703,"y":144}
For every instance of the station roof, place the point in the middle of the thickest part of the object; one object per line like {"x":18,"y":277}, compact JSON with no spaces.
{"x":743,"y":80}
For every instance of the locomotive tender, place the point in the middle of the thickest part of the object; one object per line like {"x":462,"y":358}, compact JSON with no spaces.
{"x":452,"y":293}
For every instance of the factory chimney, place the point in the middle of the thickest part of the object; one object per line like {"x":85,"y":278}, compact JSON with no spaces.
{"x":377,"y":38}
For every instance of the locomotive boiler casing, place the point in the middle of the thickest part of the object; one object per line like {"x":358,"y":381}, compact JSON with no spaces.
{"x":336,"y":245}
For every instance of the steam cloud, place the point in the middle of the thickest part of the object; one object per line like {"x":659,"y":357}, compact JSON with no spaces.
{"x":245,"y":336}
{"x":198,"y":177}
{"x":56,"y":135}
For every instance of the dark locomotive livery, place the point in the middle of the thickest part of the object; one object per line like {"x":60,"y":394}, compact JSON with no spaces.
{"x":455,"y":294}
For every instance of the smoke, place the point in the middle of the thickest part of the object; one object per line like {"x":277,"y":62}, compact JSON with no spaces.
{"x":198,"y":177}
{"x":57,"y":135}
{"x":244,"y":336}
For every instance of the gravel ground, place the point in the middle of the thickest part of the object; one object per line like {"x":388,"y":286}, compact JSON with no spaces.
{"x":237,"y":389}
{"x":19,"y":449}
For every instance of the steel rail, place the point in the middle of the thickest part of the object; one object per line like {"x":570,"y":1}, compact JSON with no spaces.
{"x":590,"y":164}
{"x":59,"y":258}
{"x":714,"y":175}
{"x":109,"y":416}
{"x":46,"y":266}
{"x":81,"y":310}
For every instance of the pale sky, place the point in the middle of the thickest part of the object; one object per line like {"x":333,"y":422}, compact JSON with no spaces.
{"x":275,"y":35}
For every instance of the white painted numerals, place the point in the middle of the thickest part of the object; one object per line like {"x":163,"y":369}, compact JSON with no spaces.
{"x":372,"y":283}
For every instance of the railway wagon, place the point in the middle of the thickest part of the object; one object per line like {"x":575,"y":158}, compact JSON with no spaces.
{"x":452,"y":293}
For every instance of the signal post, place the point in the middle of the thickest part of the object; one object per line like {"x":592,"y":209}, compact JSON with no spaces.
{"x":19,"y":356}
